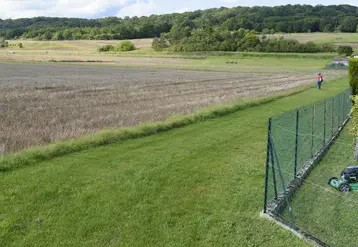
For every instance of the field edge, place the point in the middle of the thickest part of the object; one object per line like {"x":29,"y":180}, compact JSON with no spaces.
{"x":33,"y":155}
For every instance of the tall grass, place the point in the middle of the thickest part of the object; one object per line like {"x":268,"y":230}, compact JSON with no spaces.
{"x":34,"y":155}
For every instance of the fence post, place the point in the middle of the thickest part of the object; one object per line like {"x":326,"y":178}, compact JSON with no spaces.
{"x":274,"y":174}
{"x":293,"y":225}
{"x":342,"y":112}
{"x":333,"y":117}
{"x":313,"y":127}
{"x":296,"y":144}
{"x":324,"y":127}
{"x":267,"y":162}
{"x":339,"y":115}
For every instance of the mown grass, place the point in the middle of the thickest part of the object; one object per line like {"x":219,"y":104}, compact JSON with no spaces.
{"x":201,"y":185}
{"x":321,"y":210}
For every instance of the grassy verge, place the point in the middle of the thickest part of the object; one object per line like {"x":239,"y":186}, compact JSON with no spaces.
{"x":321,"y":210}
{"x":201,"y":185}
{"x":34,"y":155}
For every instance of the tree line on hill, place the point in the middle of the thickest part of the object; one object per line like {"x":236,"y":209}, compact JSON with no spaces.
{"x":266,"y":20}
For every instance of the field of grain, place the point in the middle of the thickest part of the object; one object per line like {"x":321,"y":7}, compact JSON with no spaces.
{"x":75,"y":45}
{"x":43,"y":103}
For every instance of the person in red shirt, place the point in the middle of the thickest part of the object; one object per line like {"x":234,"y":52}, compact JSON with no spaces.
{"x":319,"y":80}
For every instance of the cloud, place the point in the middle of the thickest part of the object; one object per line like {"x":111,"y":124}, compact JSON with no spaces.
{"x":59,"y":8}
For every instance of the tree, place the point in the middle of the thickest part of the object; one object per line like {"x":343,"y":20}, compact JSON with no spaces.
{"x":328,"y":28}
{"x":345,"y":50}
{"x":349,"y":24}
{"x":3,"y":42}
{"x":125,"y":45}
{"x":156,"y":44}
{"x":58,"y":36}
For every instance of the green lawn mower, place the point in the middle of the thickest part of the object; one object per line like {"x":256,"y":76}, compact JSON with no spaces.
{"x":348,"y":181}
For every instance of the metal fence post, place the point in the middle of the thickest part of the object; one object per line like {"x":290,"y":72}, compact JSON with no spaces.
{"x":324,"y":127}
{"x":296,"y":144}
{"x":313,"y":128}
{"x":333,"y":117}
{"x":342,"y":113}
{"x":274,"y":174}
{"x":267,"y":163}
{"x":338,"y":113}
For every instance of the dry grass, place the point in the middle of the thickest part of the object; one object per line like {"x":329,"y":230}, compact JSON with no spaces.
{"x":44,"y":103}
{"x":76,"y":45}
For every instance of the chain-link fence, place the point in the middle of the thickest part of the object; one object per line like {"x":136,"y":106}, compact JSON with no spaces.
{"x":297,"y":141}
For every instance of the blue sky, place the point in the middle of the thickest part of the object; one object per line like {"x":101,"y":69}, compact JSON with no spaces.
{"x":121,"y":8}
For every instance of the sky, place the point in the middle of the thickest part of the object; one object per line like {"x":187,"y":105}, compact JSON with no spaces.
{"x":121,"y":8}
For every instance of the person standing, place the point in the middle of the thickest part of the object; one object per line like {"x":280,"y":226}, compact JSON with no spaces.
{"x":319,"y":80}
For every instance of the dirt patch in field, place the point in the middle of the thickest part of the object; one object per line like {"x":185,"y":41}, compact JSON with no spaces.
{"x":123,"y":61}
{"x":43,"y":103}
{"x":354,"y":45}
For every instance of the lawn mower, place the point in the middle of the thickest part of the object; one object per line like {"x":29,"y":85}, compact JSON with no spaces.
{"x":348,"y":181}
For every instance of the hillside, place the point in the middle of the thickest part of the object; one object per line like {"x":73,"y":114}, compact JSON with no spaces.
{"x":287,"y":19}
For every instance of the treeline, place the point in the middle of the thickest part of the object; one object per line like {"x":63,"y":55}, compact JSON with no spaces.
{"x":289,"y":18}
{"x":184,"y":39}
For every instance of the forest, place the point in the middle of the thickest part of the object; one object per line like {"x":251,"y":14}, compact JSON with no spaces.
{"x":266,"y":20}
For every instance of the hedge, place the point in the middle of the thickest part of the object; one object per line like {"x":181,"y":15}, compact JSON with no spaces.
{"x":353,"y":75}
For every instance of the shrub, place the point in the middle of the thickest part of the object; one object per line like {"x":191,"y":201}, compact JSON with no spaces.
{"x":21,"y":46}
{"x":125,"y":45}
{"x":106,"y":48}
{"x":353,"y":75}
{"x":156,"y":44}
{"x":159,"y":44}
{"x":3,"y":42}
{"x":345,"y":50}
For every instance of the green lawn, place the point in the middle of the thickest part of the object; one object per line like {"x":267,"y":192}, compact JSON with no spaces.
{"x":321,"y":210}
{"x":201,"y":185}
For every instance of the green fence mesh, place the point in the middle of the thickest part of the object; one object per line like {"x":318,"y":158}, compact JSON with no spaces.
{"x":296,"y":141}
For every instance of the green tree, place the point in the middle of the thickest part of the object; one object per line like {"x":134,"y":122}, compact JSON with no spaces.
{"x":156,"y":44}
{"x":349,"y":24}
{"x":2,"y":42}
{"x":58,"y":36}
{"x":345,"y":50}
{"x":125,"y":45}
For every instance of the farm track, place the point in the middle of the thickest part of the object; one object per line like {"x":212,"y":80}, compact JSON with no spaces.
{"x":44,"y":103}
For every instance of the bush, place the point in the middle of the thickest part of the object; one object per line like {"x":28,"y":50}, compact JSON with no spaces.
{"x":345,"y":50}
{"x":106,"y":48}
{"x":3,"y":42}
{"x":353,"y":75}
{"x":159,"y":44}
{"x":21,"y":46}
{"x":125,"y":45}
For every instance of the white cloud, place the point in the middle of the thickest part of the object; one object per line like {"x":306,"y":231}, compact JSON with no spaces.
{"x":60,"y":8}
{"x":100,"y":8}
